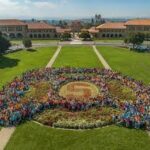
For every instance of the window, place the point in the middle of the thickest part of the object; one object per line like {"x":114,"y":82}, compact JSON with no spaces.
{"x":120,"y":35}
{"x":11,"y":29}
{"x":112,"y":35}
{"x":19,"y":28}
{"x":146,"y":28}
{"x":3,"y":29}
{"x":35,"y":35}
{"x":103,"y":35}
{"x":39,"y":36}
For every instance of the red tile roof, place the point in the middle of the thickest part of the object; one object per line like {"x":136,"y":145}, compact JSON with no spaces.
{"x":39,"y":25}
{"x":115,"y":25}
{"x":61,"y":30}
{"x":11,"y":22}
{"x":138,"y":22}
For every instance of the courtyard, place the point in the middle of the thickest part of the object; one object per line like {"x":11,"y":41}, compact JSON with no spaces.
{"x":31,"y":135}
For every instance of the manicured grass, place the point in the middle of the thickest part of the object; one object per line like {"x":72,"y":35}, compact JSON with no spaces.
{"x":14,"y":64}
{"x":109,"y":40}
{"x":46,"y":41}
{"x":32,"y":136}
{"x":77,"y":56}
{"x":136,"y":65}
{"x":116,"y":41}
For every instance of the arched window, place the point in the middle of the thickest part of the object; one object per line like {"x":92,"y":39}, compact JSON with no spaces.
{"x":12,"y":35}
{"x":44,"y":36}
{"x":112,"y":35}
{"x":39,"y":36}
{"x":104,"y":35}
{"x":35,"y":35}
{"x":19,"y":35}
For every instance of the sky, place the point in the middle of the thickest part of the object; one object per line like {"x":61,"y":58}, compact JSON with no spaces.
{"x":47,"y":9}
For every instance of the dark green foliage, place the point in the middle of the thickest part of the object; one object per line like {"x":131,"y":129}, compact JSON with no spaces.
{"x":4,"y":44}
{"x":85,"y":36}
{"x":66,"y":36}
{"x":27,"y":43}
{"x":135,"y":39}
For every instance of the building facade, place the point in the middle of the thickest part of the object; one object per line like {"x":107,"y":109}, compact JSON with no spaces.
{"x":16,"y":29}
{"x":13,"y":28}
{"x":76,"y":26}
{"x":122,"y":29}
{"x":142,"y":26}
{"x":41,"y":30}
{"x":112,"y":30}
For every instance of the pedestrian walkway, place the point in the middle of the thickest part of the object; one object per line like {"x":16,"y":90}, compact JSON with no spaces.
{"x":100,"y":57}
{"x":5,"y":135}
{"x":76,"y":42}
{"x":54,"y":57}
{"x":148,"y":133}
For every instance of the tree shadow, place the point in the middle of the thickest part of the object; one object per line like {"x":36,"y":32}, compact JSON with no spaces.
{"x":6,"y":62}
{"x":31,"y":50}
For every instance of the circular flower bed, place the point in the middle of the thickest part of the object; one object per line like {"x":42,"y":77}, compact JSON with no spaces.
{"x":75,"y":98}
{"x":88,"y":119}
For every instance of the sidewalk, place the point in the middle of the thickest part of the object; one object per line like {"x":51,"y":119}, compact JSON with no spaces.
{"x":5,"y":135}
{"x":101,"y":58}
{"x":51,"y":62}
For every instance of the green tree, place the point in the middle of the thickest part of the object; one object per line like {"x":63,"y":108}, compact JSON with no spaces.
{"x":135,"y":39}
{"x":27,"y":43}
{"x":66,"y":36}
{"x":4,"y":44}
{"x":85,"y":36}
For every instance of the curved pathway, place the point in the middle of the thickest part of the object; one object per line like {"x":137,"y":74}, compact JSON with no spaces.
{"x":5,"y":135}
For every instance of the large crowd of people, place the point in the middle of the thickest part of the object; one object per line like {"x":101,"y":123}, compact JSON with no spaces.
{"x":14,"y":109}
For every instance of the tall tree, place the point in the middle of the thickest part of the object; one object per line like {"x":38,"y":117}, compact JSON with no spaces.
{"x":66,"y":36}
{"x":135,"y":39}
{"x":27,"y":43}
{"x":85,"y":36}
{"x":4,"y":44}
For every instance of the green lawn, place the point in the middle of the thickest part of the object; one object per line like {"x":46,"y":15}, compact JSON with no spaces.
{"x":14,"y":64}
{"x":43,"y":41}
{"x":116,"y":41}
{"x":136,"y":65}
{"x":31,"y":136}
{"x":77,"y":56}
{"x":109,"y":40}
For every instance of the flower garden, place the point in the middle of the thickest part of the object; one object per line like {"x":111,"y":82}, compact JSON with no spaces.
{"x":75,"y":99}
